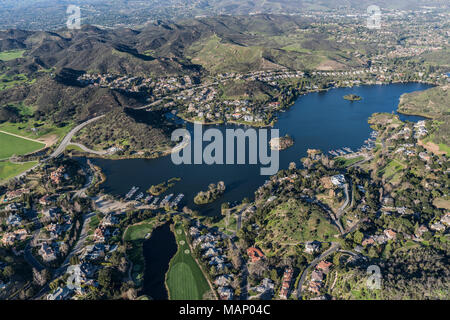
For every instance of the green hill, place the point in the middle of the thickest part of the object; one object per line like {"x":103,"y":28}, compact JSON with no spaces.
{"x":294,"y":222}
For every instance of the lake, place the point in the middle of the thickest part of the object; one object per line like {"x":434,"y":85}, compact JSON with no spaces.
{"x":158,"y":250}
{"x":322,"y":121}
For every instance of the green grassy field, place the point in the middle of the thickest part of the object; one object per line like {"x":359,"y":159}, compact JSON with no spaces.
{"x":184,"y":279}
{"x":7,"y":82}
{"x":136,"y":236}
{"x":11,"y":55}
{"x":10,"y":145}
{"x":9,"y":170}
{"x":44,"y":129}
{"x":218,"y":56}
{"x":343,"y":162}
{"x":391,"y":169}
{"x":139,"y":231}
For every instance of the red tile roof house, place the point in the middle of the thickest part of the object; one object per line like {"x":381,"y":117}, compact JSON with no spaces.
{"x":390,"y":234}
{"x":368,"y":241}
{"x":287,"y":277}
{"x":314,"y":287}
{"x":324,"y":266}
{"x":255,"y":254}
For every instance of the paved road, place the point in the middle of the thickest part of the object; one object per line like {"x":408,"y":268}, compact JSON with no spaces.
{"x":331,"y":214}
{"x":82,"y":192}
{"x":61,"y":147}
{"x":65,"y":142}
{"x":86,"y":149}
{"x":334,"y":246}
{"x":347,"y":199}
{"x":360,"y":162}
{"x":239,"y":217}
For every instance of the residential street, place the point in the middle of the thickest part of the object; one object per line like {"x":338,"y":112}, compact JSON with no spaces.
{"x":334,"y":246}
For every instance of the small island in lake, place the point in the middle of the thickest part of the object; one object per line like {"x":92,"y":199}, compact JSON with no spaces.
{"x":352,"y":97}
{"x":212,"y":194}
{"x":159,"y":189}
{"x":281,"y":143}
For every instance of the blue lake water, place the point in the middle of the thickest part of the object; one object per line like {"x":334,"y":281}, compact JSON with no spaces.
{"x":158,"y":250}
{"x":322,"y":121}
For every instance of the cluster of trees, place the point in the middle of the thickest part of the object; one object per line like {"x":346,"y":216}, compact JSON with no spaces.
{"x":214,"y":191}
{"x":129,"y":131}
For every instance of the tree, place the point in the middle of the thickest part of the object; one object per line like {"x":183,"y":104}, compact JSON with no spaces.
{"x":358,"y":237}
{"x":8,"y":271}
{"x":41,"y":278}
{"x":105,"y":278}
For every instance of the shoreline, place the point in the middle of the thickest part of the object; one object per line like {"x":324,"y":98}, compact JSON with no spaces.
{"x":274,"y":121}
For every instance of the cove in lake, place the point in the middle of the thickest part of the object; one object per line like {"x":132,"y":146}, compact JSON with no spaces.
{"x":158,"y":250}
{"x":321,"y":120}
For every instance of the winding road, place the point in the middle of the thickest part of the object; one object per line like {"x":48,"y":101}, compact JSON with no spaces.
{"x":66,"y":141}
{"x":334,"y":247}
{"x":60,"y":149}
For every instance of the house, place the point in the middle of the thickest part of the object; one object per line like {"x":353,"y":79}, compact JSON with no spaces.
{"x":324,"y":266}
{"x":266,"y":285}
{"x":109,"y":220}
{"x":93,"y":252}
{"x":446,"y":219}
{"x":255,"y":254}
{"x":211,"y":252}
{"x":56,"y":175}
{"x":87,"y":271}
{"x":14,"y":220}
{"x":10,"y":238}
{"x":100,"y":234}
{"x":10,"y":195}
{"x":194,"y":232}
{"x":317,"y":276}
{"x":60,"y":294}
{"x":208,"y":245}
{"x":223,"y":280}
{"x":214,"y":261}
{"x":47,"y":252}
{"x":13,"y":207}
{"x":225,"y":293}
{"x":338,"y":180}
{"x":368,"y":241}
{"x":51,"y":213}
{"x":420,"y":231}
{"x":437,"y":226}
{"x":390,"y":234}
{"x":380,"y":239}
{"x":314,"y":287}
{"x":287,"y":277}
{"x":312,"y":247}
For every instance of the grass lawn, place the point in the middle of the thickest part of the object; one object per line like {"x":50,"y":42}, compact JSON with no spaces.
{"x":343,"y":162}
{"x":391,"y":169}
{"x":9,"y":170}
{"x":74,"y":147}
{"x":185,"y":279}
{"x":10,"y":145}
{"x":43,"y":128}
{"x":135,"y":235}
{"x":139,"y":231}
{"x":11,"y":55}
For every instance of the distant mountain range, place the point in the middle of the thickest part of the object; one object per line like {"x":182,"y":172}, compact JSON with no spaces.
{"x":51,"y":14}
